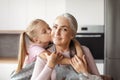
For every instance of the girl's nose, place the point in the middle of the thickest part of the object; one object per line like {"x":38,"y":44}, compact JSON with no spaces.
{"x":49,"y":31}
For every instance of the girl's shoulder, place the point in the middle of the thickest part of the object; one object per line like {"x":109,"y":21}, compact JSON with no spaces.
{"x":35,"y":48}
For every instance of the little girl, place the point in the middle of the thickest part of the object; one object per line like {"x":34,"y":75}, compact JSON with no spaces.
{"x":38,"y":34}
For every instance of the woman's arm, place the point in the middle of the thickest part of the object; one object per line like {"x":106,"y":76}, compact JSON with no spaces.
{"x":41,"y":70}
{"x":90,"y":61}
{"x":80,"y":65}
{"x":88,"y":56}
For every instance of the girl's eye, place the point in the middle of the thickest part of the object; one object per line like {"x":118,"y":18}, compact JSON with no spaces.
{"x":43,"y":32}
{"x":49,"y":28}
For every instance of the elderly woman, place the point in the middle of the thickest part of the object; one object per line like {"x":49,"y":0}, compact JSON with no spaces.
{"x":63,"y":32}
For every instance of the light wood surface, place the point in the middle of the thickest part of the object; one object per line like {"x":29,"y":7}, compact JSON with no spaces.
{"x":8,"y":60}
{"x":11,"y":31}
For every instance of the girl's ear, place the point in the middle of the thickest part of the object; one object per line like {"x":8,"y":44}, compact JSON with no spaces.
{"x":35,"y":39}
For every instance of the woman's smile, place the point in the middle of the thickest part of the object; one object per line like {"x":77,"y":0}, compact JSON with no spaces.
{"x":57,"y":39}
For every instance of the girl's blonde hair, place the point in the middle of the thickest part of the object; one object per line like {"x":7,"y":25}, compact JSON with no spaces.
{"x":30,"y":33}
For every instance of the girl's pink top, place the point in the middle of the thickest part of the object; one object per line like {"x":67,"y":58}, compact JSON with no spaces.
{"x":43,"y":72}
{"x":33,"y":51}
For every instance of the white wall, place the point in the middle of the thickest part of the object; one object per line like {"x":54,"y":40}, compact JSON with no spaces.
{"x":17,"y":14}
{"x":6,"y":69}
{"x":87,"y":12}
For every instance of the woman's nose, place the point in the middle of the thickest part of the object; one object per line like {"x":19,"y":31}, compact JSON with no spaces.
{"x":57,"y":32}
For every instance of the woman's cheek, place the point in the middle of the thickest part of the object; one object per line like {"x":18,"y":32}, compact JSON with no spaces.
{"x":52,"y":34}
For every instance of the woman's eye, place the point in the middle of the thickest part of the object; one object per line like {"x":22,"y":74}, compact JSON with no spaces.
{"x":65,"y":29}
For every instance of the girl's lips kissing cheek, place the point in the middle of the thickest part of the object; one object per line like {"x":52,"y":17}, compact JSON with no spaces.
{"x":57,"y":38}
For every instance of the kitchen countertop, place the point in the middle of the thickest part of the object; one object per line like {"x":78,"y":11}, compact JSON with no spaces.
{"x":10,"y":31}
{"x":8,"y":60}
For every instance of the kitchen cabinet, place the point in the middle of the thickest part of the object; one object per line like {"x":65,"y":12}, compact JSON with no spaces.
{"x":13,"y":14}
{"x":17,"y":14}
{"x":87,"y":12}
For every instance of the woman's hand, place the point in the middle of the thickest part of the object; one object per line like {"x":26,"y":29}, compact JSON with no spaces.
{"x":79,"y":65}
{"x":53,"y":58}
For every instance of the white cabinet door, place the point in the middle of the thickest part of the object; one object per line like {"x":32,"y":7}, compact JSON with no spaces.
{"x":36,"y":9}
{"x":3,"y":13}
{"x":87,"y":12}
{"x":17,"y":14}
{"x":13,"y":14}
{"x":53,"y":8}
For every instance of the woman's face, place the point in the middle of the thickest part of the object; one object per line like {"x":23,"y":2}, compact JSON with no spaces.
{"x":61,"y":31}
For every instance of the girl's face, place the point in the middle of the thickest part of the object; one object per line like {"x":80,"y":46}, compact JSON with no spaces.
{"x":61,"y":32}
{"x":43,"y":33}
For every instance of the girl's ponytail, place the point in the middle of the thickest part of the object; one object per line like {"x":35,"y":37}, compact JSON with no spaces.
{"x":30,"y":33}
{"x":22,"y":52}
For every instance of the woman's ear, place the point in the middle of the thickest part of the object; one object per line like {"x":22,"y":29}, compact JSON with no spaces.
{"x":72,"y":36}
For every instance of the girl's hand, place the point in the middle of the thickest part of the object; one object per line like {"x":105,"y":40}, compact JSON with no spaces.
{"x":64,"y":61}
{"x":43,"y":56}
{"x":79,"y":65}
{"x":53,"y":58}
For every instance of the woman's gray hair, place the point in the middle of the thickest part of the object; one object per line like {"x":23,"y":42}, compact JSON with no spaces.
{"x":72,"y":21}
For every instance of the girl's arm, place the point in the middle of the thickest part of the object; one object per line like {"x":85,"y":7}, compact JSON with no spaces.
{"x":78,"y":48}
{"x":79,"y":53}
{"x":63,"y":61}
{"x":67,"y":60}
